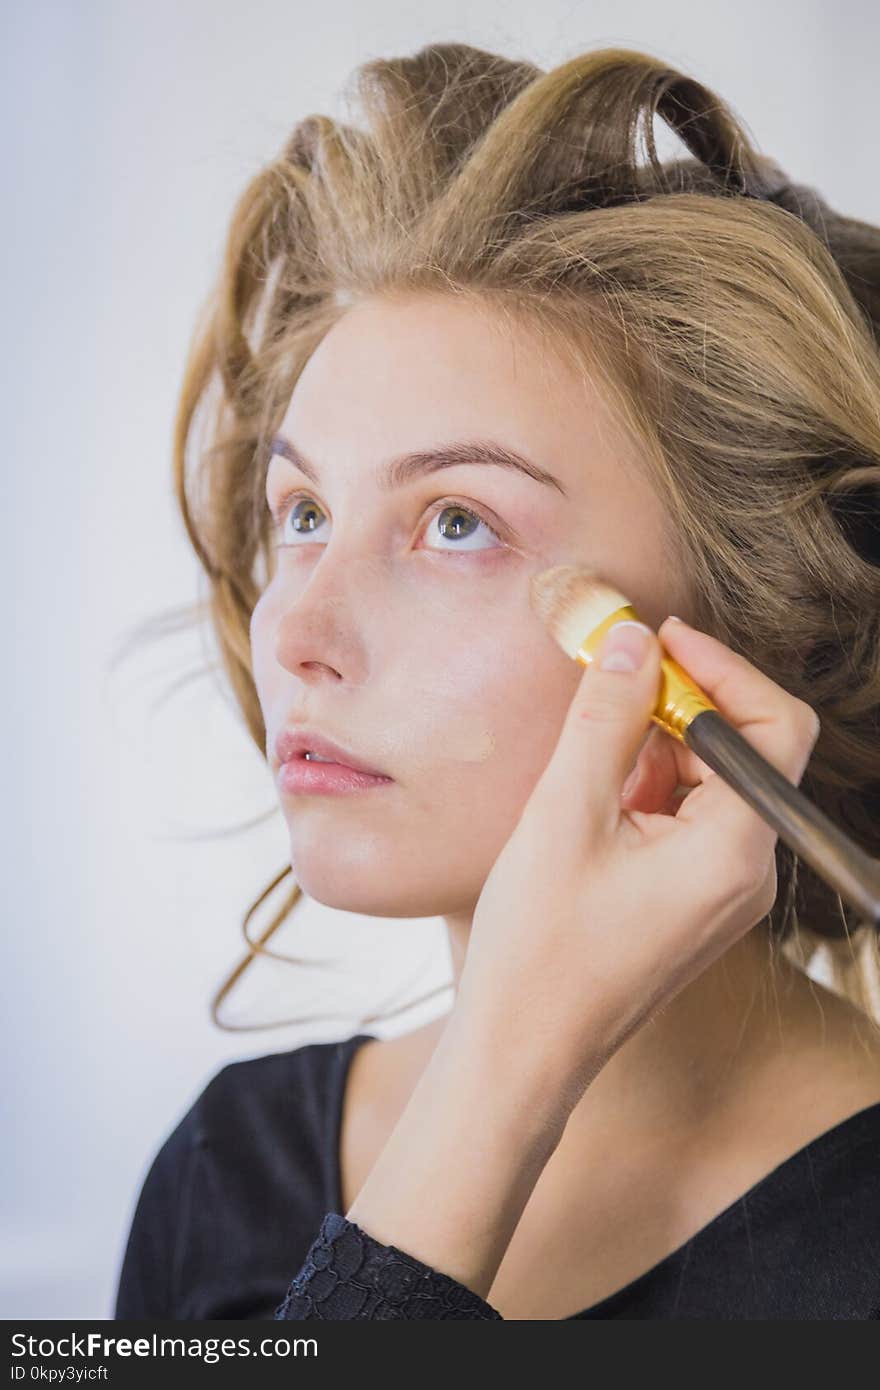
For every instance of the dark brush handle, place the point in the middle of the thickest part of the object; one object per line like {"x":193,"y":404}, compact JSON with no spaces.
{"x":835,"y":857}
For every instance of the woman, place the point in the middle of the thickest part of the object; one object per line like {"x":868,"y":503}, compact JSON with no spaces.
{"x":481,"y":325}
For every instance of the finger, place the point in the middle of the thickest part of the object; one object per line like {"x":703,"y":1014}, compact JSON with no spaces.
{"x":606,"y":722}
{"x":664,"y":771}
{"x":662,"y":766}
{"x":782,"y":727}
{"x":655,"y":775}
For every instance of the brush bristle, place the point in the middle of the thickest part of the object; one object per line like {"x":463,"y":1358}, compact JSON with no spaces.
{"x":572,"y":602}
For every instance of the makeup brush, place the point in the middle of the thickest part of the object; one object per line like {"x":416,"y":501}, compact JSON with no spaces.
{"x":578,"y":609}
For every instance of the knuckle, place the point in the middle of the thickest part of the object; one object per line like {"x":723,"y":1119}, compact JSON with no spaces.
{"x":730,"y":870}
{"x":600,"y":704}
{"x":807,"y":720}
{"x":748,"y":875}
{"x":808,"y":730}
{"x":766,"y":894}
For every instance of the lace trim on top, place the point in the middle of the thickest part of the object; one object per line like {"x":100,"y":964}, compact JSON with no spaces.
{"x":347,"y":1274}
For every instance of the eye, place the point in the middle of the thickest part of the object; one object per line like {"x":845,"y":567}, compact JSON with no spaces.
{"x":458,"y":524}
{"x":461,"y":526}
{"x":303,"y":513}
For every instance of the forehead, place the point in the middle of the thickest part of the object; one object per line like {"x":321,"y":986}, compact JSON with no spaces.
{"x":394,"y":374}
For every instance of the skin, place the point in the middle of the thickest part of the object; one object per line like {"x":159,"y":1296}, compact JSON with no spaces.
{"x":422,"y":654}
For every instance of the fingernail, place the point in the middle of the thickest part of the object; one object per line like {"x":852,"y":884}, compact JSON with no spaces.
{"x":625,"y":646}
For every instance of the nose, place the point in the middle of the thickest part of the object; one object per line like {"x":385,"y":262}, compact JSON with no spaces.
{"x":313,"y":640}
{"x":320,"y":633}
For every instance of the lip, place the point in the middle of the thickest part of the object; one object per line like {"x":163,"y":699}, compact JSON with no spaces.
{"x":328,"y":779}
{"x":292,"y":744}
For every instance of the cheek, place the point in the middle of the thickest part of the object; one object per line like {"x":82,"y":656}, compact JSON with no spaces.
{"x":261,"y":625}
{"x":529,"y":698}
{"x":258,"y":617}
{"x":490,"y":715}
{"x":463,"y":807}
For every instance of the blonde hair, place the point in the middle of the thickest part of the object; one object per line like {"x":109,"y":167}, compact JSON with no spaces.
{"x":731,"y":316}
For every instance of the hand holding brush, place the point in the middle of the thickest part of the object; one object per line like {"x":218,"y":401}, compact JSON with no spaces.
{"x":579,"y":610}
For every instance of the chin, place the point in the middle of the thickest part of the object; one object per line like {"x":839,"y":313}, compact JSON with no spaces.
{"x":368,"y":901}
{"x":396,"y":870}
{"x":376,"y":885}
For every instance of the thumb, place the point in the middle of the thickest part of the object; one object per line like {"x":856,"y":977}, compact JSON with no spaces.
{"x":606,"y":725}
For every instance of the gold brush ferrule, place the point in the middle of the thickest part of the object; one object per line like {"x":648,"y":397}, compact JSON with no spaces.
{"x":679,"y":698}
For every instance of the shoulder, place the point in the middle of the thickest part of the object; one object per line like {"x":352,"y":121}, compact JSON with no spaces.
{"x":273,"y":1088}
{"x":240,"y":1111}
{"x":260,"y":1125}
{"x":832,"y":1205}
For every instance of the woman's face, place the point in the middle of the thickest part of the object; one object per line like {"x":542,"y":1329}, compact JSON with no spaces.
{"x":400,"y":625}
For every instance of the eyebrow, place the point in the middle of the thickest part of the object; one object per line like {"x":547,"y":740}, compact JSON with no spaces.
{"x":403,"y":468}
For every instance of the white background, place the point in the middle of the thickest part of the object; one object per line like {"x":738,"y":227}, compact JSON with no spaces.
{"x":129,"y":131}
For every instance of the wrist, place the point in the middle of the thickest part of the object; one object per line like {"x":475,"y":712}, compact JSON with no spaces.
{"x":451,"y":1183}
{"x":530,"y":1055}
{"x":510,"y":1074}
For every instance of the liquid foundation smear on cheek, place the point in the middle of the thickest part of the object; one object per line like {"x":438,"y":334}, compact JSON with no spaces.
{"x":440,"y":737}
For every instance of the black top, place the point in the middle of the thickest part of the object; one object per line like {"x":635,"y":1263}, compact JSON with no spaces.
{"x":240,"y":1216}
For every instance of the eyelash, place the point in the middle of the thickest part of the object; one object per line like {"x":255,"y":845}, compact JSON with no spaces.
{"x":279,"y":513}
